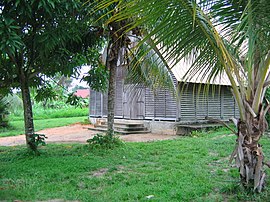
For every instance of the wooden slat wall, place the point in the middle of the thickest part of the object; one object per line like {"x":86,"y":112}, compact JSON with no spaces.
{"x":149,"y":104}
{"x":105,"y":104}
{"x":187,"y":103}
{"x":142,"y":103}
{"x":214,"y":103}
{"x":218,"y":103}
{"x":228,"y":107}
{"x":96,"y":104}
{"x":119,"y":92}
{"x":160,"y":104}
{"x":170,"y":105}
{"x":92,"y":103}
{"x":119,"y":99}
{"x":126,"y":101}
{"x":201,"y":104}
{"x":137,"y":103}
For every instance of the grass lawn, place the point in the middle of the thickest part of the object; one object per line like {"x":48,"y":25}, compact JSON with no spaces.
{"x":188,"y":169}
{"x":17,"y":126}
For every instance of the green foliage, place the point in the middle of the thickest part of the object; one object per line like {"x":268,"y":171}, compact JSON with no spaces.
{"x":98,"y":75}
{"x":97,"y":78}
{"x":75,"y":101}
{"x":106,"y":141}
{"x":3,"y":113}
{"x":38,"y":139}
{"x":45,"y":92}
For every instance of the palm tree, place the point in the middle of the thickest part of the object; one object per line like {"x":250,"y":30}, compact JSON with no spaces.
{"x":121,"y":35}
{"x":218,"y":36}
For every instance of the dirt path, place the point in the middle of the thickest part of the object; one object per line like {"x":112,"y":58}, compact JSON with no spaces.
{"x":78,"y":133}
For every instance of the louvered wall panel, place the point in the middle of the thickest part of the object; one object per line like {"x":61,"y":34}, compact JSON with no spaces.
{"x":98,"y":111}
{"x":92,"y":104}
{"x":201,"y":105}
{"x":119,"y":99}
{"x":228,"y":104}
{"x":160,"y":103}
{"x":236,"y":110}
{"x":119,"y":92}
{"x":187,"y":104}
{"x":149,"y":104}
{"x":105,"y":104}
{"x":214,"y":104}
{"x":170,"y":105}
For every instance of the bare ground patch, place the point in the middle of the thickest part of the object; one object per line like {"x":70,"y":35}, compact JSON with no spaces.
{"x":78,"y":133}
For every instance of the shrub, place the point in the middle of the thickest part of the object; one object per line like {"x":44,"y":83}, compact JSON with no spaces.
{"x":105,"y":141}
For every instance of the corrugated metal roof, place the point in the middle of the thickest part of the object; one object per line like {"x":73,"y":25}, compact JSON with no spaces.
{"x":180,"y":70}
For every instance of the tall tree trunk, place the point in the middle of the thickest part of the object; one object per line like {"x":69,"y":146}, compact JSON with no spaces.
{"x":28,"y":112}
{"x":111,"y":96}
{"x":116,"y":45}
{"x":248,"y":152}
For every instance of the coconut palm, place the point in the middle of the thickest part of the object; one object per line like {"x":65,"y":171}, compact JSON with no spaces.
{"x":121,"y":35}
{"x":217,"y":37}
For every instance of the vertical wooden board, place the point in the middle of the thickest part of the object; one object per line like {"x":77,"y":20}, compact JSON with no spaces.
{"x":187,"y":104}
{"x":136,"y":102}
{"x":126,"y":105}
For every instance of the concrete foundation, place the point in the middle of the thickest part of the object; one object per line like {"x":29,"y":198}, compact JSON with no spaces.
{"x":159,"y":127}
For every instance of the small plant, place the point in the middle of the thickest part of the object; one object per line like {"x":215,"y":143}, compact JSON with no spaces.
{"x":106,"y":141}
{"x":38,"y":139}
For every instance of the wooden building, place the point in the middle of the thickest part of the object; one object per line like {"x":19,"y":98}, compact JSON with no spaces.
{"x":191,"y":105}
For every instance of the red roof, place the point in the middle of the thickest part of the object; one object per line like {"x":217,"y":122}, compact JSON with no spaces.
{"x":84,"y":93}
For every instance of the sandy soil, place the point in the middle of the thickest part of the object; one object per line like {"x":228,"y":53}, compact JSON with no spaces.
{"x":77,"y":133}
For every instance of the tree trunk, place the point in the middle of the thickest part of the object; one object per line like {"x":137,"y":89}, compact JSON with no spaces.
{"x":28,"y":112}
{"x":111,"y":97}
{"x":116,"y":45}
{"x":248,"y":152}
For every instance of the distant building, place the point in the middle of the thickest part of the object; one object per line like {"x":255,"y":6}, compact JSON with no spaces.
{"x":83,"y":93}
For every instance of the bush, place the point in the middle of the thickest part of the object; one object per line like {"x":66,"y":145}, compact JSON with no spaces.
{"x":3,"y":113}
{"x":106,"y":141}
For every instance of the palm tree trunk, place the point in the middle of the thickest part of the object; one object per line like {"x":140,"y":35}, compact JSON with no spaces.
{"x":117,"y":43}
{"x":28,"y":112}
{"x":248,"y":152}
{"x":111,"y":95}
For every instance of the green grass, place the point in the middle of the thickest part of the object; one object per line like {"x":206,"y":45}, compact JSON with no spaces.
{"x":188,"y":169}
{"x":40,"y":113}
{"x":17,"y":127}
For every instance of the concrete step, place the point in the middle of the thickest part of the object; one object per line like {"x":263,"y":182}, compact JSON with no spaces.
{"x":123,"y":127}
{"x":120,"y":131}
{"x":120,"y":124}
